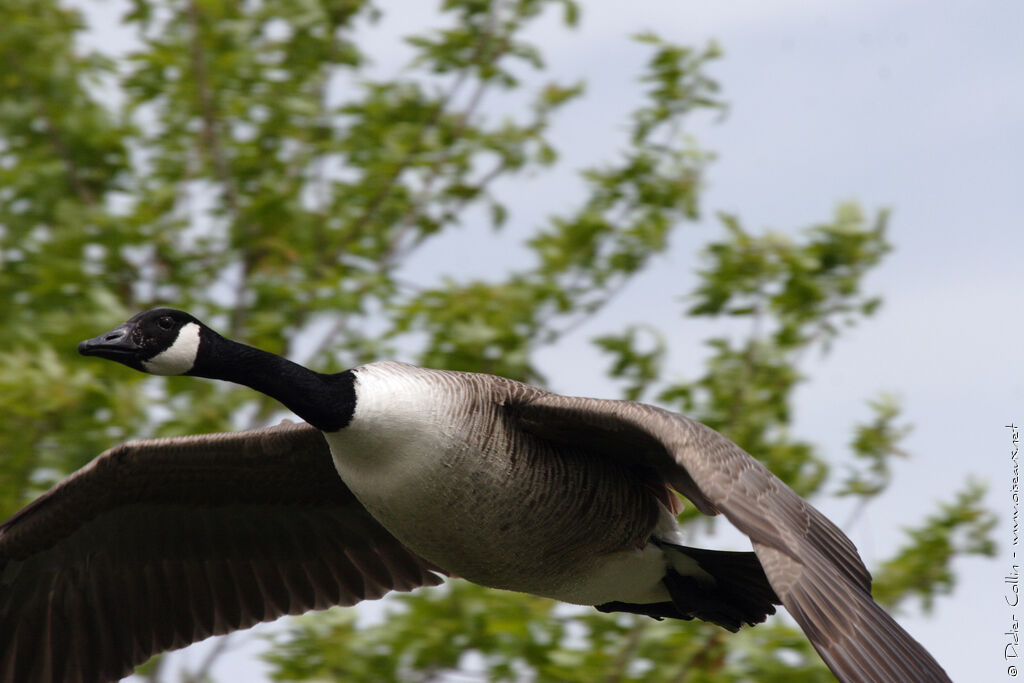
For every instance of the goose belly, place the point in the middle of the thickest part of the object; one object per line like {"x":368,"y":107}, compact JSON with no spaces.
{"x":496,"y":506}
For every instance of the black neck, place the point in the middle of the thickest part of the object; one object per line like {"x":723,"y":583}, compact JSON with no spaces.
{"x":325,"y":401}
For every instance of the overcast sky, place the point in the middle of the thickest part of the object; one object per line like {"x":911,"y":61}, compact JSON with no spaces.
{"x":912,"y":106}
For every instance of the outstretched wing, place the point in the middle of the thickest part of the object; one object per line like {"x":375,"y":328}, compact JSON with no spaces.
{"x":157,"y":544}
{"x":812,"y":566}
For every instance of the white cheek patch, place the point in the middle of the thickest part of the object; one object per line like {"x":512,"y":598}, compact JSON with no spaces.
{"x":179,"y":357}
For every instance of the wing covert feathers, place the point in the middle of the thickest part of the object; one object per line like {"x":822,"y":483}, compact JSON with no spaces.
{"x":157,"y":544}
{"x":810,"y":563}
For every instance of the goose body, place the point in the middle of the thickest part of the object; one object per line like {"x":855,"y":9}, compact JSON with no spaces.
{"x":406,"y":474}
{"x":435,"y":457}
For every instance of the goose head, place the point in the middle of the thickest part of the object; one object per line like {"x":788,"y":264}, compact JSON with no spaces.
{"x":161,"y":341}
{"x":165,"y":341}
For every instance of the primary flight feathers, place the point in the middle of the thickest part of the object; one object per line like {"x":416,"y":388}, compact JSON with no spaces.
{"x":158,"y":544}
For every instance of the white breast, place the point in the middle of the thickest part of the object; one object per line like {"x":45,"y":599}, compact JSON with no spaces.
{"x":425,"y":454}
{"x":395,"y":434}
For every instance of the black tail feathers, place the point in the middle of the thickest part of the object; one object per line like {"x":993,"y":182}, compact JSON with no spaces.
{"x":729,"y":590}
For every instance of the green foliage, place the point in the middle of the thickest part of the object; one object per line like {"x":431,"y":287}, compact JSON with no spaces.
{"x":794,"y":294}
{"x":583,"y":257}
{"x":810,"y":289}
{"x":499,"y":636}
{"x":239,"y":162}
{"x":923,"y":567}
{"x":875,"y":443}
{"x":435,"y":632}
{"x":641,"y":368}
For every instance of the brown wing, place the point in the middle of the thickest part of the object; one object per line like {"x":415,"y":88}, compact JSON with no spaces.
{"x":157,"y":544}
{"x":812,"y":565}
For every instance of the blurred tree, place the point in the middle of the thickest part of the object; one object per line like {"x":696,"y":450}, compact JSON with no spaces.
{"x":239,"y":162}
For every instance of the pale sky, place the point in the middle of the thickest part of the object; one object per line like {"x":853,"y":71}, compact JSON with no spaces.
{"x":913,"y":106}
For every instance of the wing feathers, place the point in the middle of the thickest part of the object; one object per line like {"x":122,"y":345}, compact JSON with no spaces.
{"x":158,"y":544}
{"x":812,"y":566}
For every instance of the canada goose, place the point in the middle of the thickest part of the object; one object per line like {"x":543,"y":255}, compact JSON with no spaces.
{"x":156,"y":544}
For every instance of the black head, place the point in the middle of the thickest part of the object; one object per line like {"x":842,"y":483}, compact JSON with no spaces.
{"x":162,"y":341}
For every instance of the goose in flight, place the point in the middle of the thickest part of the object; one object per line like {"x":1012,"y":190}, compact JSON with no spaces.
{"x":401,"y":476}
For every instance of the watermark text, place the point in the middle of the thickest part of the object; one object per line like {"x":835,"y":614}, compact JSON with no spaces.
{"x":1011,"y":588}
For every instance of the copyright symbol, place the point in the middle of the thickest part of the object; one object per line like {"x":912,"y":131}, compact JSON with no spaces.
{"x":1012,"y":670}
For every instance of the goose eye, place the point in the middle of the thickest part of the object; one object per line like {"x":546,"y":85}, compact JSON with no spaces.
{"x":165,"y":322}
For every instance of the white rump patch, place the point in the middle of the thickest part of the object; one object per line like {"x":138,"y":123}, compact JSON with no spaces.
{"x":179,"y":357}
